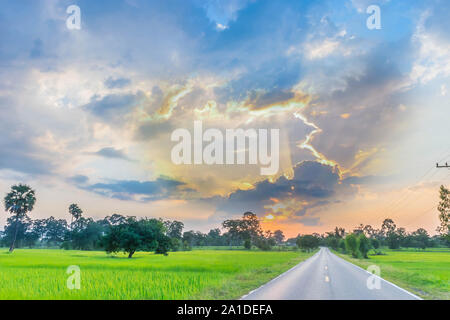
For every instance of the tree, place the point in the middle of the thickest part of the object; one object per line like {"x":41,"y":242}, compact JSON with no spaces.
{"x":364,"y":245}
{"x":164,"y":244}
{"x":388,"y":226}
{"x":341,"y":245}
{"x":369,"y":231}
{"x":214,"y":238}
{"x":19,"y":202}
{"x":332,"y":241}
{"x":359,"y":229}
{"x":20,"y":230}
{"x":265,"y":241}
{"x":55,"y":230}
{"x":421,"y":238}
{"x":307,"y":242}
{"x":114,"y":220}
{"x":38,"y":228}
{"x":174,"y":229}
{"x":247,"y":228}
{"x":86,"y":235}
{"x":393,"y":238}
{"x":278,"y":236}
{"x":247,"y":244}
{"x":401,"y":236}
{"x":352,"y":245}
{"x":375,"y":243}
{"x":444,"y":213}
{"x":75,"y":212}
{"x":250,"y":227}
{"x":339,"y":232}
{"x":233,"y":230}
{"x":134,"y":235}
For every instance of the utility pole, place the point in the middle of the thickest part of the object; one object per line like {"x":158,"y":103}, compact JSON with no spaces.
{"x":442,"y":166}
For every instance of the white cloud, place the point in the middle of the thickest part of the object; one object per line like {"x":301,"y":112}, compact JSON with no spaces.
{"x":221,"y":27}
{"x":433,"y":57}
{"x":322,"y":49}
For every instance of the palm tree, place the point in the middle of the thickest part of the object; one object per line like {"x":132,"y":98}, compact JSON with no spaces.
{"x":75,"y":212}
{"x":19,"y":202}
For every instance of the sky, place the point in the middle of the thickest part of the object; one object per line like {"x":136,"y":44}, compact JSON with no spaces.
{"x":86,"y":115}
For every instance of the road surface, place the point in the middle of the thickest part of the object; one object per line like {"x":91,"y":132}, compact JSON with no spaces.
{"x":325,"y":276}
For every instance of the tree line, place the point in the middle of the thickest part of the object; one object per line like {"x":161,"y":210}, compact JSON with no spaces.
{"x":364,"y":238}
{"x":118,"y":233}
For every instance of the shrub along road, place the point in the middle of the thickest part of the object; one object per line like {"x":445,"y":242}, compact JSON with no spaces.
{"x":326,"y":276}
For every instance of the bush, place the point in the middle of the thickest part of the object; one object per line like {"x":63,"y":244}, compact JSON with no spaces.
{"x":342,"y":246}
{"x":186,"y":246}
{"x":364,"y":245}
{"x":164,"y":245}
{"x":332,"y":242}
{"x":175,"y":244}
{"x":263,"y":244}
{"x":247,"y":244}
{"x":375,"y":243}
{"x":307,"y":242}
{"x":352,"y":245}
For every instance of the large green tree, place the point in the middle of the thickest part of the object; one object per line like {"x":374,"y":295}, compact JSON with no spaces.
{"x":174,"y":229}
{"x":392,"y":235}
{"x":278,"y":236}
{"x":307,"y":242}
{"x":55,"y":230}
{"x":18,"y":202}
{"x":248,"y":229}
{"x":364,"y":245}
{"x":137,"y":235}
{"x":75,"y":212}
{"x":352,"y":245}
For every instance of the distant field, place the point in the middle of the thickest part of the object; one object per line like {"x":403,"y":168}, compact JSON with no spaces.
{"x":198,"y":274}
{"x":425,"y":273}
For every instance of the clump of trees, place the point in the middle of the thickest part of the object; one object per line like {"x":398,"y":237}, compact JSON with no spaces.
{"x":358,"y":245}
{"x":308,"y":242}
{"x":248,"y":231}
{"x":131,"y":235}
{"x":364,"y":238}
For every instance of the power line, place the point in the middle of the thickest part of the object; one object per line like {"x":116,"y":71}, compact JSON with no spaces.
{"x":402,"y":203}
{"x":395,"y":205}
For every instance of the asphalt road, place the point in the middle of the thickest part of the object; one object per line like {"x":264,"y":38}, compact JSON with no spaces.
{"x":325,"y":276}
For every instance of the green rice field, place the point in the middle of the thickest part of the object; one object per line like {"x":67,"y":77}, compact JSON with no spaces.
{"x":425,"y":273}
{"x":198,"y":274}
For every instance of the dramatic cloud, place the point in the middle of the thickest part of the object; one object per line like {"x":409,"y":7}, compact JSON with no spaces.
{"x":119,"y":83}
{"x":161,"y":188}
{"x":311,"y":183}
{"x":113,"y":106}
{"x":357,"y":109}
{"x":112,"y":153}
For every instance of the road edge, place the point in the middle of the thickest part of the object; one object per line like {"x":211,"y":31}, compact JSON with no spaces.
{"x":279,"y":276}
{"x":388,"y":282}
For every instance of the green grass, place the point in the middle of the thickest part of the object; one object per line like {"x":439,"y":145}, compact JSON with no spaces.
{"x":424,"y":273}
{"x":202,"y":274}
